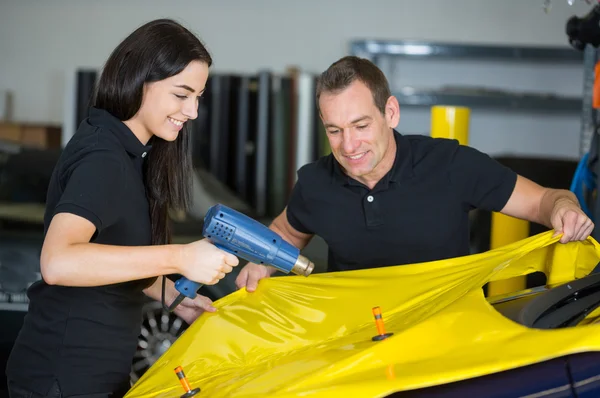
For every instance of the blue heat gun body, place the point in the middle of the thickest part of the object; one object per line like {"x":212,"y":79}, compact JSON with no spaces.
{"x":244,"y":237}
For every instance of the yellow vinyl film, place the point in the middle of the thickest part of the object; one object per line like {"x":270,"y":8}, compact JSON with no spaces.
{"x":312,"y":337}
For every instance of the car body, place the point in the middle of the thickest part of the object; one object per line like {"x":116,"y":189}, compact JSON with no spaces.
{"x":297,"y":336}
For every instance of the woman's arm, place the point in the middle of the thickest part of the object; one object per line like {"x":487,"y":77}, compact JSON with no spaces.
{"x":69,"y":259}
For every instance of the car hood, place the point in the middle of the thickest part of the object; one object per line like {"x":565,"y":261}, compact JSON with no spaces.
{"x":298,"y":336}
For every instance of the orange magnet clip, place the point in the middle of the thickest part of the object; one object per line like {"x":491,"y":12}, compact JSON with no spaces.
{"x":185,"y":384}
{"x":596,"y":87}
{"x":381,"y":333}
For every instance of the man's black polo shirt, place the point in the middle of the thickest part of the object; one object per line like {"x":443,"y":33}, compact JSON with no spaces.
{"x":418,"y":212}
{"x":86,"y":337}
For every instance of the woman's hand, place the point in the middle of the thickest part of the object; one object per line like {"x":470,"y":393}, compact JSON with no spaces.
{"x":189,"y":310}
{"x":203,"y":262}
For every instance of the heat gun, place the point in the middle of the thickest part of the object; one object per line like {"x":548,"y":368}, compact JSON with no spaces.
{"x":246,"y":238}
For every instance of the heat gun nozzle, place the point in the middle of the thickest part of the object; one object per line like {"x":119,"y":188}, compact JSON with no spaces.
{"x":303,"y":266}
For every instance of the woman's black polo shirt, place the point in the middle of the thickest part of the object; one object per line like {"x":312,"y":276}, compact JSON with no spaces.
{"x":86,"y":337}
{"x":418,"y":212}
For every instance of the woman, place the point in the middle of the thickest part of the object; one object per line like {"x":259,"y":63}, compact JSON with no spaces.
{"x":106,"y":226}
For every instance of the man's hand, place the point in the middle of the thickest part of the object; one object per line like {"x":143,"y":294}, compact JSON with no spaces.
{"x":568,"y":218}
{"x":251,"y":274}
{"x":189,"y":310}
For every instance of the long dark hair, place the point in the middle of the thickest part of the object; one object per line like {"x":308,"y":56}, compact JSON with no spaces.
{"x":155,"y":51}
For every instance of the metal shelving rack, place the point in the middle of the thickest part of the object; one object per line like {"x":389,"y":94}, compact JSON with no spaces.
{"x":376,"y":50}
{"x":588,"y":113}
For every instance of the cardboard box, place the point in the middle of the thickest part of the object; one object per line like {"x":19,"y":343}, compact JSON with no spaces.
{"x":31,"y":135}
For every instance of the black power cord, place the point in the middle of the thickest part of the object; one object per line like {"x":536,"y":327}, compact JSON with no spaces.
{"x":162,"y":295}
{"x":176,"y":301}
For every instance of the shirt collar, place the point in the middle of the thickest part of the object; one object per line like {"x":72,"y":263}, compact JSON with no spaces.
{"x":102,"y":118}
{"x":401,"y":169}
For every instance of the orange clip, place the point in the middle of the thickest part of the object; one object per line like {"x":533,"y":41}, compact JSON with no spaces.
{"x":185,"y":384}
{"x":380,"y":326}
{"x":596,"y":89}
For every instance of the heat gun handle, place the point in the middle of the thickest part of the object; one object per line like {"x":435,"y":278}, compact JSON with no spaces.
{"x":188,"y":288}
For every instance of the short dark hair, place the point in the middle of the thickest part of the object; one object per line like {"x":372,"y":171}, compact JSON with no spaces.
{"x":346,"y":70}
{"x":154,"y":51}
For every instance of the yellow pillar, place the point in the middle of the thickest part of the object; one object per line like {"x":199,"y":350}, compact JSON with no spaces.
{"x":506,"y":230}
{"x":453,"y":122}
{"x":450,"y":122}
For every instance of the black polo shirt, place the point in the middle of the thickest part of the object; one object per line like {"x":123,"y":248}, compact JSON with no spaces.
{"x":417,"y":212}
{"x":85,"y":337}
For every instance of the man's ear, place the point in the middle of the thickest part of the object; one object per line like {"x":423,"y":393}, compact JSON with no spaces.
{"x":392,"y":112}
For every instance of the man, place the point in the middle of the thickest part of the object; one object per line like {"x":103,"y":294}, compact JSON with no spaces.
{"x":384,"y":199}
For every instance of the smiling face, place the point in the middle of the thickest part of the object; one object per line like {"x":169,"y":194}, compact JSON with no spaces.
{"x":361,"y":138}
{"x":167,"y":104}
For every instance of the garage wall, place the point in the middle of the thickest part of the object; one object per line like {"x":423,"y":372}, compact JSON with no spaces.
{"x":44,"y":41}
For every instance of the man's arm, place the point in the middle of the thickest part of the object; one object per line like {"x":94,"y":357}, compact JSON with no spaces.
{"x":554,"y":208}
{"x":282,"y":226}
{"x":252,"y":273}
